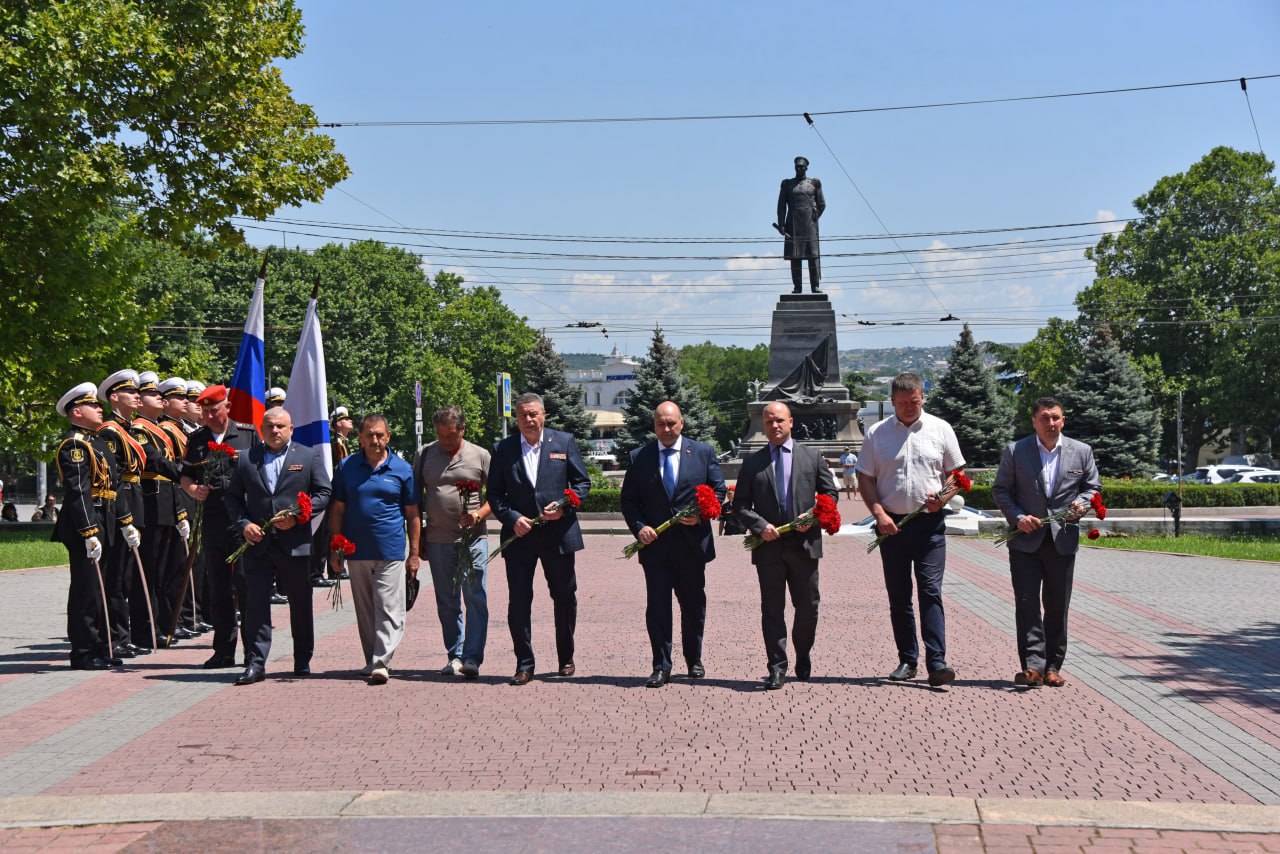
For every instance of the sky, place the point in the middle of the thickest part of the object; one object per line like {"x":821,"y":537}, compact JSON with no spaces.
{"x":689,"y":204}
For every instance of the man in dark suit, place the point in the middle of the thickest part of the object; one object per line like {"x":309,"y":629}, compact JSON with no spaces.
{"x":1040,"y":475}
{"x":528,"y":476}
{"x":776,"y":484}
{"x":662,"y":479}
{"x":265,"y":482}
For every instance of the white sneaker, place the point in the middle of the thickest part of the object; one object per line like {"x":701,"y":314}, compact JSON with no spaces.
{"x":453,"y":668}
{"x":379,"y":676}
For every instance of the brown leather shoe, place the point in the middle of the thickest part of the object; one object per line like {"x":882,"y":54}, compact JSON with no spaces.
{"x":1053,"y":680}
{"x":1028,"y":679}
{"x":522,"y":677}
{"x":567,"y":669}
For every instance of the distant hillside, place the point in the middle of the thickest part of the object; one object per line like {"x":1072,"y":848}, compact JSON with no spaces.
{"x":894,"y":360}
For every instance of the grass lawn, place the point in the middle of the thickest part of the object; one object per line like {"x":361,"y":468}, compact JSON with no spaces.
{"x":1238,"y":547}
{"x":25,"y":549}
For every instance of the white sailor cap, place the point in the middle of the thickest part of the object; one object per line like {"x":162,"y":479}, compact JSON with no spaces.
{"x":148,"y":381}
{"x":173,"y":387}
{"x":340,"y":412}
{"x":194,"y":387}
{"x":126,"y":380}
{"x":275,"y":395}
{"x":83,"y":393}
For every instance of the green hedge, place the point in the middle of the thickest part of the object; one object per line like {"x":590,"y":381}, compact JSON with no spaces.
{"x":603,"y":501}
{"x":1125,"y":494}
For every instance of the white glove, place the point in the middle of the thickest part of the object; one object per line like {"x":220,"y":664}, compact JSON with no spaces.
{"x":184,"y":529}
{"x":131,"y":536}
{"x":93,"y":548}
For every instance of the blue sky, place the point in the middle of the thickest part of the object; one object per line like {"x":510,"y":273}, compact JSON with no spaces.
{"x":1071,"y":160}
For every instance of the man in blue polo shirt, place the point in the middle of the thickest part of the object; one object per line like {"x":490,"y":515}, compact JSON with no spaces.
{"x":374,"y":497}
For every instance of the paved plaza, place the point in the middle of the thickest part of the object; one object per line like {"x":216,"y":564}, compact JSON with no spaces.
{"x":1167,"y":736}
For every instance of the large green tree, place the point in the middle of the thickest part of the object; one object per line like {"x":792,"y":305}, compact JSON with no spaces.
{"x":1047,"y":364}
{"x":544,"y":373}
{"x":1108,"y":406}
{"x":722,"y":376}
{"x":1192,"y":288}
{"x":659,"y":378}
{"x":967,"y":397}
{"x":125,"y":119}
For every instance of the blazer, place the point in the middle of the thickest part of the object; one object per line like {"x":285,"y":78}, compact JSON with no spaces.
{"x":645,"y":501}
{"x":755,"y":501}
{"x":511,"y":495}
{"x":247,"y":499}
{"x":1019,"y":489}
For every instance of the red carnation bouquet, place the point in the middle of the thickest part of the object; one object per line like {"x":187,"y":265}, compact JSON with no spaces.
{"x":570,"y":499}
{"x":705,"y":506}
{"x":1071,"y":516}
{"x":339,"y":545}
{"x":956,"y":482}
{"x":824,"y":514}
{"x":466,"y":560}
{"x":300,"y":510}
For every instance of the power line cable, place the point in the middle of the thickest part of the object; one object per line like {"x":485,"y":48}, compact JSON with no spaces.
{"x":1244,"y":87}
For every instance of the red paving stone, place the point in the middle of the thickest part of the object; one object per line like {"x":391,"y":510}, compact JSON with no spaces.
{"x":845,"y":732}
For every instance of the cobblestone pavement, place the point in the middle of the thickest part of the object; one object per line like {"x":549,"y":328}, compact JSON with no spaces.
{"x":1171,"y":701}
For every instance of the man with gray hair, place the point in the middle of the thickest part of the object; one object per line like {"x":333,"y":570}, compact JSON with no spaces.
{"x":531,"y":473}
{"x":452,"y":474}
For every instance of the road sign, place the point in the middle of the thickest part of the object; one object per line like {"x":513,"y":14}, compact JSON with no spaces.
{"x":417,"y":397}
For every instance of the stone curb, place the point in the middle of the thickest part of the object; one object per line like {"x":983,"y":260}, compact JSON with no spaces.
{"x":50,"y":811}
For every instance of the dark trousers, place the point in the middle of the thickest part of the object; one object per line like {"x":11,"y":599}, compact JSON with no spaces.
{"x":685,"y":574}
{"x":118,"y":569}
{"x":919,"y":550}
{"x":563,"y":584}
{"x":1042,"y":640}
{"x":790,"y":568}
{"x":193,"y":606}
{"x":262,"y":565}
{"x":319,"y":567}
{"x":224,"y":583}
{"x":85,"y":626}
{"x":157,"y":554}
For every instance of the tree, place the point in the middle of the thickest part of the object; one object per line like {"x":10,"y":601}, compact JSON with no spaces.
{"x":1109,"y":407}
{"x":967,"y":397}
{"x":1190,"y":289}
{"x":1047,"y":363}
{"x":658,"y":378}
{"x":722,"y":376}
{"x":857,"y":382}
{"x":565,"y":408}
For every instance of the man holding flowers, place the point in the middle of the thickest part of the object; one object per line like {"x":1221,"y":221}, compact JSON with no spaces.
{"x":905,"y":472}
{"x":666,"y":477}
{"x":273,"y":491}
{"x":778,"y":486}
{"x":536,"y":482}
{"x":1045,"y":483}
{"x":451,"y":474}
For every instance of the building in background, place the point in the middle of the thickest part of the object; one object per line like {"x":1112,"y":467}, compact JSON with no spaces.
{"x":606,"y":391}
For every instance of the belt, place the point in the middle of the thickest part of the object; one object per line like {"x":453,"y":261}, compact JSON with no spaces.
{"x":130,"y":478}
{"x":150,"y":475}
{"x":105,"y":494}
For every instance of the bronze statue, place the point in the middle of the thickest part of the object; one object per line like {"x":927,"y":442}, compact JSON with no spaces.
{"x":800,"y":204}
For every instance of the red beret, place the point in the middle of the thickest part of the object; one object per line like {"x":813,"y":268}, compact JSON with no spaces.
{"x":211,"y":395}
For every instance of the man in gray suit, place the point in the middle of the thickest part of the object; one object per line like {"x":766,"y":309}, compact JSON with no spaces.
{"x":1039,"y":475}
{"x":265,"y":482}
{"x":776,"y":484}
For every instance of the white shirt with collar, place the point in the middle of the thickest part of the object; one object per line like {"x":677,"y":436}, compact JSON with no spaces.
{"x":675,"y":458}
{"x":909,"y":462}
{"x":530,"y":455}
{"x":1049,"y":462}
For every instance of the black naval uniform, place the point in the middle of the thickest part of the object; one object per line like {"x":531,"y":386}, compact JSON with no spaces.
{"x":119,"y":563}
{"x":180,"y":599}
{"x":162,"y":553}
{"x":87,"y":470}
{"x":220,"y":535}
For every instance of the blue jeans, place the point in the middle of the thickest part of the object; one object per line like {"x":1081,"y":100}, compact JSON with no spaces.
{"x":464,"y":641}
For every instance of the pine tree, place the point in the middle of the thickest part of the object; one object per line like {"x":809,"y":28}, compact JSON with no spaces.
{"x":1108,"y":406}
{"x":544,"y":374}
{"x":967,"y":397}
{"x":658,"y":379}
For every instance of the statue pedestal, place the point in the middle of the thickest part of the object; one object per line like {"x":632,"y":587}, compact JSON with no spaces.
{"x":804,"y":336}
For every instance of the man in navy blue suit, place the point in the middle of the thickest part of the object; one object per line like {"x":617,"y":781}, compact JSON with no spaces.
{"x":663,"y":477}
{"x":528,"y":476}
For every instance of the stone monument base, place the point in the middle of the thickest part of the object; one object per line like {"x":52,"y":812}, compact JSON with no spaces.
{"x":827,"y":425}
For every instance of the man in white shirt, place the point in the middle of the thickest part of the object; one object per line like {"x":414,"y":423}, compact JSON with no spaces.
{"x":905,"y":461}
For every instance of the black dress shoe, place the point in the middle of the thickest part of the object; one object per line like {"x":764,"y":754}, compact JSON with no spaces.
{"x":658,"y":678}
{"x":91,"y":664}
{"x":183,"y":633}
{"x":803,"y":668}
{"x":115,"y":662}
{"x":696,"y":670}
{"x":941,"y":677}
{"x":219,"y":661}
{"x":251,"y":674}
{"x":202,"y":627}
{"x":903,"y":673}
{"x":774,"y":680}
{"x":125,"y":651}
{"x":567,"y":669}
{"x":522,"y":677}
{"x":277,"y":599}
{"x":302,"y":670}
{"x":142,"y":650}
{"x":166,"y":643}
{"x":324,"y":582}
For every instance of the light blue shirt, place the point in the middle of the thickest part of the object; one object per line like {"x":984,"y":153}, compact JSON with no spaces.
{"x":272,"y":463}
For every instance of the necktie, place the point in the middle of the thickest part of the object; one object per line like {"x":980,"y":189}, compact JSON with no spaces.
{"x":668,"y":473}
{"x":780,"y":480}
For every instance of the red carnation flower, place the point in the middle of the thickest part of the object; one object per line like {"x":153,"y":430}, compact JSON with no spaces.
{"x":340,"y":543}
{"x":1099,"y":509}
{"x":572,"y":498}
{"x":1094,"y":533}
{"x":962,"y":480}
{"x":708,"y":502}
{"x":304,"y":507}
{"x":826,"y":514}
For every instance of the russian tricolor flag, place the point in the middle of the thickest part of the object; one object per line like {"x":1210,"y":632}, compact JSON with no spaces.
{"x":248,"y":391}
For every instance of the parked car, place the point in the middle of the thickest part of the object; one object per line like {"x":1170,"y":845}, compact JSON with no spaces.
{"x":1220,"y":474}
{"x":1264,"y":476}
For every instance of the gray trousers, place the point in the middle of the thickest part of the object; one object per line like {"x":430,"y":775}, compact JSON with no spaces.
{"x":377,"y":591}
{"x":1041,"y":575}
